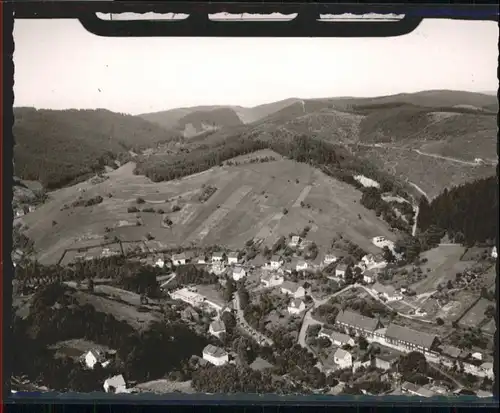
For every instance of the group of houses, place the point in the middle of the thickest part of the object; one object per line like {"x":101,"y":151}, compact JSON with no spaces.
{"x":402,"y":339}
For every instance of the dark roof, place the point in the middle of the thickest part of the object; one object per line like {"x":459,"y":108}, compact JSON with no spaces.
{"x":408,"y":335}
{"x":232,"y":255}
{"x":357,"y":320}
{"x":290,"y":286}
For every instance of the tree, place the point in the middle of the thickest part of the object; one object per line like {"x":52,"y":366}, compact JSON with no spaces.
{"x":363,"y":343}
{"x":388,"y":255}
{"x":413,"y":362}
{"x":439,"y":321}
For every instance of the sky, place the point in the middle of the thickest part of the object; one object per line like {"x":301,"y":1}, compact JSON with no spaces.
{"x":59,"y":65}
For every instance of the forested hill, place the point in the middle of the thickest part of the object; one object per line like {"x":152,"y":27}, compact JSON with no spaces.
{"x":58,"y":147}
{"x":469,"y":213}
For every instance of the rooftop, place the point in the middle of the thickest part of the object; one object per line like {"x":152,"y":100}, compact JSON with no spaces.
{"x":408,"y":335}
{"x":116,"y":381}
{"x":297,"y":302}
{"x":238,"y":270}
{"x":217,"y":254}
{"x":357,"y":320}
{"x":214,"y":351}
{"x":275,"y":258}
{"x":290,"y":286}
{"x":232,"y":255}
{"x":341,"y":354}
{"x":388,"y":289}
{"x":451,"y":351}
{"x":218,"y":326}
{"x":342,"y":267}
{"x":181,"y":256}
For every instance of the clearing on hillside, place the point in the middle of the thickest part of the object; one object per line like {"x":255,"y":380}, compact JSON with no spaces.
{"x":252,"y":200}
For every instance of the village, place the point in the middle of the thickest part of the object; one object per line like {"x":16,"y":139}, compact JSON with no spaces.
{"x":323,"y":300}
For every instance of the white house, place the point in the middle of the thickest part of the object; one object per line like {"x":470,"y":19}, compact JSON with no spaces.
{"x":19,"y":212}
{"x":494,"y":252}
{"x":215,"y":355}
{"x":340,"y":270}
{"x":238,"y":273}
{"x":382,"y":242}
{"x":295,"y":241}
{"x":217,"y":257}
{"x":369,"y":276}
{"x":201,"y":260}
{"x":338,"y":339}
{"x":189,"y":297}
{"x":329,"y":259}
{"x":293,"y":289}
{"x":487,"y":368}
{"x":296,"y":306}
{"x":93,"y":357}
{"x":477,"y":356}
{"x":179,"y":259}
{"x":342,"y":358}
{"x":272,"y":280}
{"x":115,"y":384}
{"x":160,"y":262}
{"x":232,"y":258}
{"x":301,"y":266}
{"x":275,"y":262}
{"x":216,"y":328}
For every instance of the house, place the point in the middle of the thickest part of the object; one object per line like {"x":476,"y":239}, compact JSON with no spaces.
{"x":296,"y":306}
{"x":216,"y":328}
{"x":301,"y":266}
{"x":238,"y":273}
{"x":217,"y":257}
{"x":201,"y":260}
{"x":215,"y":355}
{"x":160,"y":263}
{"x":275,"y":262}
{"x":93,"y":357}
{"x":295,"y":241}
{"x":494,"y":252}
{"x":451,"y":352}
{"x":272,"y":280}
{"x":483,"y":394}
{"x":408,"y":339}
{"x":369,"y":276}
{"x":477,"y":356}
{"x":340,"y":270}
{"x":293,"y":289}
{"x":384,"y":361}
{"x":232,"y":258}
{"x":329,"y":259}
{"x":487,"y":369}
{"x":356,"y":323}
{"x":179,"y":259}
{"x":338,"y":339}
{"x":356,"y":365}
{"x":342,"y":358}
{"x":115,"y":384}
{"x":386,"y":291}
{"x":189,"y":297}
{"x":415,"y":390}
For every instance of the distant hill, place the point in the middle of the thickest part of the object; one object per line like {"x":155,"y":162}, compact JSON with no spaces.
{"x":221,"y":116}
{"x":199,"y":122}
{"x":57,"y":147}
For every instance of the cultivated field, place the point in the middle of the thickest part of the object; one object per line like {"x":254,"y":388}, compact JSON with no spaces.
{"x":475,"y":315}
{"x":252,"y":201}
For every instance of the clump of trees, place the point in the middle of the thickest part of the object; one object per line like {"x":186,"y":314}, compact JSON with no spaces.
{"x":87,"y":202}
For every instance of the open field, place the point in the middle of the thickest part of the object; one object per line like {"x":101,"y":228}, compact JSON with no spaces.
{"x":443,"y":263}
{"x":475,"y":315}
{"x":76,"y":347}
{"x":252,"y":200}
{"x":120,"y":311}
{"x":455,"y":308}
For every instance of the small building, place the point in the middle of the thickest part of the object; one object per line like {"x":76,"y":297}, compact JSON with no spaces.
{"x":215,"y":355}
{"x":494,"y":252}
{"x":409,"y":339}
{"x":238,"y":273}
{"x":386,"y":291}
{"x":275,"y":262}
{"x":384,"y":361}
{"x":477,"y":356}
{"x":329,"y":259}
{"x":342,"y":358}
{"x":451,"y":352}
{"x":93,"y":357}
{"x":337,"y":339}
{"x":160,"y":263}
{"x":301,"y":266}
{"x":216,"y":328}
{"x":296,"y":306}
{"x":201,"y":260}
{"x":190,"y":314}
{"x":341,"y":270}
{"x":115,"y":384}
{"x":415,"y":390}
{"x":487,"y":369}
{"x":179,"y":259}
{"x":369,"y":276}
{"x":293,"y":289}
{"x":295,"y":241}
{"x":232,"y":258}
{"x":217,"y":256}
{"x":272,"y":280}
